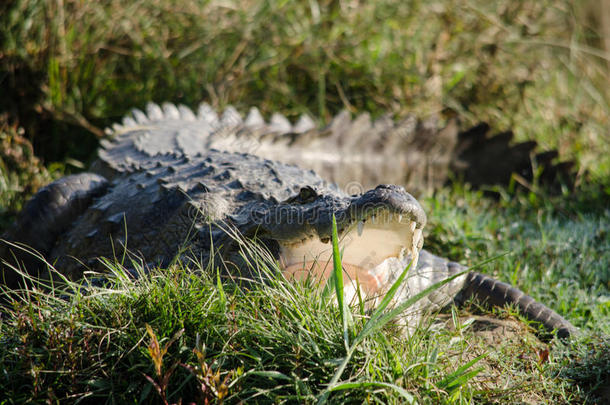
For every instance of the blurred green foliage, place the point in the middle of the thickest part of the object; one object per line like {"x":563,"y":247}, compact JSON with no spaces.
{"x":71,"y":67}
{"x":21,"y":173}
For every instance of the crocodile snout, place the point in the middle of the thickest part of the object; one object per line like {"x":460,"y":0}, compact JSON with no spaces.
{"x":380,"y":233}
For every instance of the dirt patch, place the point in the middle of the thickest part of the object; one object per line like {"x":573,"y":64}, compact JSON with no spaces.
{"x":512,"y":367}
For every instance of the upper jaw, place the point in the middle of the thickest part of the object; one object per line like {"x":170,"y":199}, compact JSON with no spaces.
{"x":374,"y":237}
{"x":385,"y":204}
{"x":393,"y":198}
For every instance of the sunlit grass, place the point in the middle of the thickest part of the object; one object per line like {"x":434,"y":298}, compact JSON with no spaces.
{"x":284,"y":341}
{"x":558,"y":249}
{"x":532,"y":66}
{"x":278,"y":340}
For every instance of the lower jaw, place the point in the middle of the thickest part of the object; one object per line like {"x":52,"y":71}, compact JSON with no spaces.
{"x":374,"y":256}
{"x":319,"y":272}
{"x":372,"y":282}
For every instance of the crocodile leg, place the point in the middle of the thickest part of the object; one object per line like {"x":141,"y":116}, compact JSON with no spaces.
{"x":46,"y":216}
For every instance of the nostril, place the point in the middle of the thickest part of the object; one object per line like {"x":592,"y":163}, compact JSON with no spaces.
{"x":392,"y":187}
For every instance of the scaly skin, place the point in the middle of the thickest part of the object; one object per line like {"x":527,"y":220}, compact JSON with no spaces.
{"x":176,"y":182}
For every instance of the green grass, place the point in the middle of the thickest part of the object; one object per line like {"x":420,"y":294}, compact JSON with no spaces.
{"x":183,"y":335}
{"x":286,"y":341}
{"x":70,"y":68}
{"x":534,"y":66}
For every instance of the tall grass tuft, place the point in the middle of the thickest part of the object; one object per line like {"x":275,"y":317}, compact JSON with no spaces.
{"x":539,"y":67}
{"x":177,"y":334}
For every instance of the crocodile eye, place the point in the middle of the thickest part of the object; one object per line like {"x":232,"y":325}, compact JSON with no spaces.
{"x":307,"y":194}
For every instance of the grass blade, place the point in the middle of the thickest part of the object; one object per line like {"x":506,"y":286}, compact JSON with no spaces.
{"x":379,"y":321}
{"x":337,"y":275}
{"x":389,"y":296}
{"x":453,"y":381}
{"x":410,"y":399}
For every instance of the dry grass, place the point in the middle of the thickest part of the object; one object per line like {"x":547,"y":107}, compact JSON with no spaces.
{"x":536,"y":66}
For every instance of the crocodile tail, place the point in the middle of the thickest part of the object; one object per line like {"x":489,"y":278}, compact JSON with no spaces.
{"x":348,"y":151}
{"x":357,"y":153}
{"x":494,"y":292}
{"x":481,"y":159}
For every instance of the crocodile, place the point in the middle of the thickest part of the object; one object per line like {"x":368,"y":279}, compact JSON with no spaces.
{"x":171,"y":183}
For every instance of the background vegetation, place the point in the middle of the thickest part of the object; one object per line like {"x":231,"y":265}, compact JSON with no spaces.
{"x":69,"y":68}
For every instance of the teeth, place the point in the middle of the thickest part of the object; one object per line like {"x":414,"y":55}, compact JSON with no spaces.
{"x":413,"y":225}
{"x":360,"y":227}
{"x":417,"y":235}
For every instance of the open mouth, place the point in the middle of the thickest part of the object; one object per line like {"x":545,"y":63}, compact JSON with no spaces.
{"x":376,"y":249}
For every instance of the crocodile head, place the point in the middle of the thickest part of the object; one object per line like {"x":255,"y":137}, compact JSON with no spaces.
{"x":380,"y":233}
